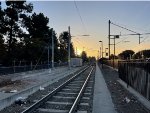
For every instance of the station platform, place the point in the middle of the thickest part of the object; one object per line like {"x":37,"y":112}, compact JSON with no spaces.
{"x":102,"y":102}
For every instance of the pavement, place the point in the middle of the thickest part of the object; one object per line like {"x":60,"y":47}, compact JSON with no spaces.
{"x":102,"y":101}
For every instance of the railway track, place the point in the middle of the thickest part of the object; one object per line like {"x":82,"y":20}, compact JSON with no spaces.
{"x":70,"y":97}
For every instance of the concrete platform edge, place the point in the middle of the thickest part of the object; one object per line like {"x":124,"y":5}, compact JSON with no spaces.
{"x":139,"y":97}
{"x":102,"y":101}
{"x":28,"y":91}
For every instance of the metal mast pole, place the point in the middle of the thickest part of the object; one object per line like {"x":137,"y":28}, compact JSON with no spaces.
{"x":114,"y":54}
{"x":139,"y":38}
{"x":109,"y":37}
{"x":102,"y":49}
{"x":69,"y":47}
{"x":52,"y":50}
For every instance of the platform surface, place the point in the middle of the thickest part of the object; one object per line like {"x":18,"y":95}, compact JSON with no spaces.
{"x":102,"y":101}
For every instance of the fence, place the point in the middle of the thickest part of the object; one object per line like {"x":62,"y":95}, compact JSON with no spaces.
{"x":17,"y":69}
{"x":137,"y":75}
{"x":112,"y":63}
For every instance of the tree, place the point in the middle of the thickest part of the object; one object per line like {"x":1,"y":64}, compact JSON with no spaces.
{"x":84,"y":56}
{"x":113,"y":57}
{"x":72,"y":50}
{"x":142,"y":54}
{"x":38,"y":37}
{"x":64,"y":44}
{"x":2,"y":45}
{"x":1,"y":21}
{"x":92,"y":59}
{"x":12,"y":22}
{"x":2,"y":49}
{"x":126,"y":54}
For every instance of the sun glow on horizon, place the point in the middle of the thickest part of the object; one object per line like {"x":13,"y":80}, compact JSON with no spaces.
{"x":78,"y":52}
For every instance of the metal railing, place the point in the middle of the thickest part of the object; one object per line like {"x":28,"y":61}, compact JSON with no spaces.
{"x":112,"y":63}
{"x":136,"y":75}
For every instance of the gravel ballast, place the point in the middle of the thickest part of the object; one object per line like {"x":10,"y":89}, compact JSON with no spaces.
{"x":123,"y":100}
{"x":15,"y":108}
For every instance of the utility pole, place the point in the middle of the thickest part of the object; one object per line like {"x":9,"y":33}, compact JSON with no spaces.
{"x":139,"y":38}
{"x":48,"y":57}
{"x":52,"y":50}
{"x":114,"y":54}
{"x":102,"y":49}
{"x":109,"y":38}
{"x":69,"y":47}
{"x":114,"y":47}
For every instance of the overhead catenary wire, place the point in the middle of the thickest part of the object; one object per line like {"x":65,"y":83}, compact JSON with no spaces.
{"x":125,"y":28}
{"x":122,"y":40}
{"x":135,"y":33}
{"x":80,"y":41}
{"x":135,"y":28}
{"x":144,"y":39}
{"x":81,"y":19}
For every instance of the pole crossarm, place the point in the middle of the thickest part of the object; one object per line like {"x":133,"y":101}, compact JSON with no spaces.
{"x":135,"y":33}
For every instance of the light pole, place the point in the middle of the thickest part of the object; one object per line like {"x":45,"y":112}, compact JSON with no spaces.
{"x":98,"y":55}
{"x":102,"y":47}
{"x":100,"y":52}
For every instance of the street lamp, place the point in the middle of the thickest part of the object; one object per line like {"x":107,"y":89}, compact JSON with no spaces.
{"x":102,"y":48}
{"x":100,"y":52}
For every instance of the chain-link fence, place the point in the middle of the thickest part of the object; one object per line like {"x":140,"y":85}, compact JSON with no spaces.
{"x":17,"y":69}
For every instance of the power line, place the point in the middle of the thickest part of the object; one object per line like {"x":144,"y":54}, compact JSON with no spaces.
{"x":135,"y":28}
{"x":125,"y":28}
{"x":135,"y":33}
{"x":122,"y":40}
{"x":144,"y":39}
{"x":77,"y":9}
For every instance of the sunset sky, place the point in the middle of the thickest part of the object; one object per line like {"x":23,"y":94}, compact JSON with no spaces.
{"x":91,"y":18}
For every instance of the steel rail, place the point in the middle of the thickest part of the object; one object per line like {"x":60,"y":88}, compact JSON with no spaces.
{"x":76,"y":102}
{"x":45,"y":98}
